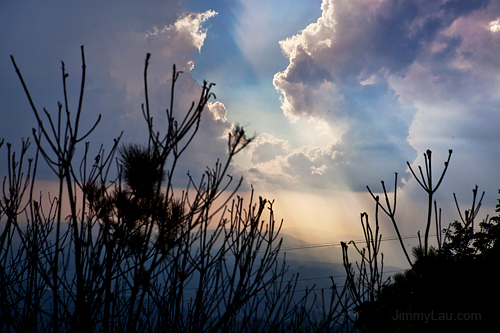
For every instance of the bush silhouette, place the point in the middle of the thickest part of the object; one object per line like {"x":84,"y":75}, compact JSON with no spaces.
{"x":133,"y":255}
{"x":446,"y":289}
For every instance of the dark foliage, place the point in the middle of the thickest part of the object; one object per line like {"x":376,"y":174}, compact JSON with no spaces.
{"x":450,"y":289}
{"x":141,"y":170}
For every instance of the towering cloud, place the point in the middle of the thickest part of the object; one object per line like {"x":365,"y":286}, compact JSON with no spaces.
{"x":392,"y":77}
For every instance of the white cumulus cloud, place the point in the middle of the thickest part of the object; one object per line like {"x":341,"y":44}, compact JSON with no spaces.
{"x":398,"y":77}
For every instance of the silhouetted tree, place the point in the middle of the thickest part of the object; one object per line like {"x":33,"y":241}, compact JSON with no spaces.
{"x":131,"y":255}
{"x":446,"y":289}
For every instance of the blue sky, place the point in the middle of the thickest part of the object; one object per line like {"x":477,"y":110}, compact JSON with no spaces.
{"x":341,"y":93}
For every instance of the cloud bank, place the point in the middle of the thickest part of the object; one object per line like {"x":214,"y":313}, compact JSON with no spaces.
{"x":393,"y":77}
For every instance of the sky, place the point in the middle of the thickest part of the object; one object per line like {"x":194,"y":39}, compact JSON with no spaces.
{"x":341,"y":93}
